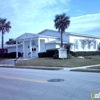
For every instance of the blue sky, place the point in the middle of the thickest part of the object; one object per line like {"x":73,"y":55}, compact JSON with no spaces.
{"x":33,"y":16}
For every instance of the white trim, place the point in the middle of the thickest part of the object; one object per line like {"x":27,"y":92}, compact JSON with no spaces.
{"x":23,"y":49}
{"x":31,"y":48}
{"x":16,"y":49}
{"x":38,"y":45}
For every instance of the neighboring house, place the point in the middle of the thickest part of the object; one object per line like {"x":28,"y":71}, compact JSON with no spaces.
{"x":31,"y":44}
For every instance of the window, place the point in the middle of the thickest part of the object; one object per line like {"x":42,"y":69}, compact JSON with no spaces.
{"x":95,"y":44}
{"x":76,"y":43}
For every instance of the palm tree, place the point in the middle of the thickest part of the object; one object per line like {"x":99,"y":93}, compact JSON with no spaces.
{"x":61,"y":23}
{"x":4,"y":27}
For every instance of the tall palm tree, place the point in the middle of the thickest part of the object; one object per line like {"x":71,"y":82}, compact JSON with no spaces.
{"x":61,"y":23}
{"x":4,"y":27}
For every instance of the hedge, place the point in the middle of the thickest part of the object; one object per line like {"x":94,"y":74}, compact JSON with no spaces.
{"x":11,"y":55}
{"x":42,"y":54}
{"x":6,"y":55}
{"x":54,"y":53}
{"x":85,"y":53}
{"x":51,"y":52}
{"x":48,"y":53}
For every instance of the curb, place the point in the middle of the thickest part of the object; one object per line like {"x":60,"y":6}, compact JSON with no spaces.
{"x":35,"y":67}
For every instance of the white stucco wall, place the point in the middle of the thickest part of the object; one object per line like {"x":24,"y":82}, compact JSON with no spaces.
{"x":57,"y":45}
{"x":50,"y":46}
{"x":13,"y":49}
{"x":49,"y":39}
{"x":42,"y":45}
{"x":72,"y":39}
{"x":55,"y":34}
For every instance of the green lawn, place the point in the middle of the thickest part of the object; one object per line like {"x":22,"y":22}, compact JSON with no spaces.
{"x":73,"y":62}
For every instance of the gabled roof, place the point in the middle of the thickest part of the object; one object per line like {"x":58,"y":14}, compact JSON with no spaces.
{"x":31,"y":35}
{"x":26,"y":35}
{"x":52,"y":33}
{"x":84,"y":35}
{"x":47,"y":30}
{"x":70,"y":33}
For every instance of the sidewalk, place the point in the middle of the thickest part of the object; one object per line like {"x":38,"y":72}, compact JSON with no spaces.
{"x":7,"y":62}
{"x":10,"y":62}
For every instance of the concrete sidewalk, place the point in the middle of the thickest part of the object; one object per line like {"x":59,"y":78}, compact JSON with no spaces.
{"x":11,"y":62}
{"x":7,"y":62}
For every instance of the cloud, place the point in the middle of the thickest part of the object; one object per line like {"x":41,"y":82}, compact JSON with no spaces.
{"x":31,"y":15}
{"x":84,"y":23}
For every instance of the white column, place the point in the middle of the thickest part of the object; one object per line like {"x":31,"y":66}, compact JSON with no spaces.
{"x":38,"y":45}
{"x":31,"y":48}
{"x":16,"y":49}
{"x":23,"y":48}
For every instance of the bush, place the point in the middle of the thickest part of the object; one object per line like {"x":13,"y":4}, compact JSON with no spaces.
{"x":42,"y":54}
{"x":69,"y":56}
{"x":56,"y":56}
{"x":6,"y":55}
{"x":13,"y":54}
{"x":85,"y":53}
{"x":48,"y":53}
{"x":51,"y":52}
{"x":73,"y":53}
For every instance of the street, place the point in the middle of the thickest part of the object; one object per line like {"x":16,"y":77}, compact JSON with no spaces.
{"x":31,"y":84}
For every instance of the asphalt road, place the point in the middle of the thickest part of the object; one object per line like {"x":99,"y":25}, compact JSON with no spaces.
{"x":28,"y":84}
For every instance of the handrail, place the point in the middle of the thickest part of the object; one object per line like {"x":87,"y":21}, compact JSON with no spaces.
{"x":18,"y":58}
{"x":29,"y":53}
{"x":15,"y":60}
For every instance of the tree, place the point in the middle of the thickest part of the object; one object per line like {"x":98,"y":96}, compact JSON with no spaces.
{"x":4,"y":27}
{"x":11,"y":41}
{"x":61,"y":23}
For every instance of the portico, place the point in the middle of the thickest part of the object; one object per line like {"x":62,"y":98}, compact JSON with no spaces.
{"x":30,"y":46}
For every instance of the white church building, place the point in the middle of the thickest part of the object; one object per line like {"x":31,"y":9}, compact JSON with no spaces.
{"x":31,"y":44}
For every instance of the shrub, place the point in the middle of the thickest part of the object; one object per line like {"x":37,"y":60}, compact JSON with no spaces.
{"x":48,"y":53}
{"x":56,"y":56}
{"x":85,"y":53}
{"x":42,"y":54}
{"x":13,"y":54}
{"x":73,"y":53}
{"x":6,"y":55}
{"x":51,"y":52}
{"x":69,"y":56}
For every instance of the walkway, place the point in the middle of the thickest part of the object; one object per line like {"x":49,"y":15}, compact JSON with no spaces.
{"x":7,"y":62}
{"x":10,"y":62}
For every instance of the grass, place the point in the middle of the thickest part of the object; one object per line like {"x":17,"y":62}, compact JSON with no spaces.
{"x":50,"y":62}
{"x":86,"y":70}
{"x":89,"y":69}
{"x":94,"y":67}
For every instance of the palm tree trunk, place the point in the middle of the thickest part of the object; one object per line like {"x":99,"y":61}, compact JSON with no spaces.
{"x":2,"y":45}
{"x":61,"y":40}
